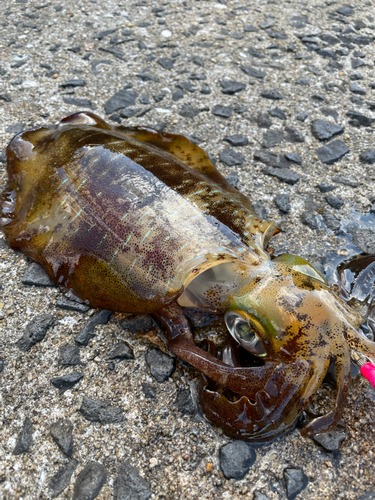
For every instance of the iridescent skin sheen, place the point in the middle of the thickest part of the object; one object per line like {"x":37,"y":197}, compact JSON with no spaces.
{"x":138,"y":221}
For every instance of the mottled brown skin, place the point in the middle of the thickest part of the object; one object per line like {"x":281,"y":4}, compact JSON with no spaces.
{"x":127,"y":218}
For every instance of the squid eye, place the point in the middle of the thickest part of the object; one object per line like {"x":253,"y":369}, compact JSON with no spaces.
{"x":244,"y":333}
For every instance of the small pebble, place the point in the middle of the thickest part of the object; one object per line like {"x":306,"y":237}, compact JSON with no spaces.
{"x":295,"y":481}
{"x":236,"y":458}
{"x":90,"y":481}
{"x":62,"y":433}
{"x":25,"y":437}
{"x":161,"y":365}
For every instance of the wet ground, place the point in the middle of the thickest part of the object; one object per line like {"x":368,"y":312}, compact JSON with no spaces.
{"x":290,"y":65}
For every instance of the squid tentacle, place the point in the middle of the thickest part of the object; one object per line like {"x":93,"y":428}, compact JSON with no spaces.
{"x":327,"y":422}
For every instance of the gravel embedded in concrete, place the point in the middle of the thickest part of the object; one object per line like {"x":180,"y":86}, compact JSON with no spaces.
{"x":46,"y":44}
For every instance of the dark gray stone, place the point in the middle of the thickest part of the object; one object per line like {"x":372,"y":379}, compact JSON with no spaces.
{"x":36,"y":275}
{"x":62,"y":433}
{"x":345,"y":10}
{"x":335,"y":201}
{"x":356,"y":89}
{"x":5,"y":98}
{"x":16,"y":128}
{"x":236,"y":458}
{"x":345,"y":181}
{"x":260,"y":210}
{"x":100,"y":411}
{"x":256,"y":53}
{"x":122,"y":99}
{"x":357,"y":63}
{"x":293,"y":135}
{"x":294,"y":158}
{"x":263,"y":120}
{"x":103,"y":34}
{"x":119,"y":54}
{"x":96,"y":62}
{"x":35,"y":331}
{"x":277,"y":113}
{"x":331,"y":440}
{"x":87,"y":333}
{"x":161,"y":365}
{"x":90,"y":481}
{"x":364,"y":239}
{"x":66,"y":382}
{"x":249,"y":28}
{"x":144,"y":99}
{"x":240,"y":108}
{"x":166,"y":62}
{"x":159,"y":96}
{"x":327,"y":53}
{"x":326,"y":188}
{"x":283,"y":174}
{"x":148,"y":391}
{"x":122,"y":351}
{"x":184,"y":402}
{"x":233,"y":179}
{"x":177,"y":95}
{"x":146,"y":77}
{"x":330,"y":112}
{"x":258,"y":495}
{"x":273,"y":159}
{"x":253,"y":72}
{"x":277,"y":35}
{"x":222,"y":111}
{"x":282,"y":201}
{"x":73,"y":83}
{"x":1,"y":365}
{"x":69,"y":355}
{"x":309,"y":220}
{"x":3,"y":158}
{"x":68,"y":304}
{"x":141,"y":323}
{"x":330,"y":221}
{"x":332,"y":152}
{"x":127,"y":113}
{"x":230,"y":87}
{"x":266,"y":24}
{"x":130,"y":485}
{"x":302,"y":117}
{"x":363,"y":120}
{"x":367,"y":156}
{"x":303,"y":81}
{"x":187,"y":111}
{"x":236,"y":140}
{"x":324,"y":130}
{"x":272,"y":94}
{"x":231,"y":157}
{"x":61,"y":480}
{"x":197,"y":60}
{"x":205,"y":89}
{"x":295,"y":481}
{"x":80,"y":103}
{"x":272,"y":138}
{"x":188,"y":86}
{"x":25,"y":437}
{"x":198,"y":76}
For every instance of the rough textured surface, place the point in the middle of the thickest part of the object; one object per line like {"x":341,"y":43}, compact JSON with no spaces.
{"x":130,"y":485}
{"x":90,"y":481}
{"x":236,"y":458}
{"x":43,"y":45}
{"x":62,"y":433}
